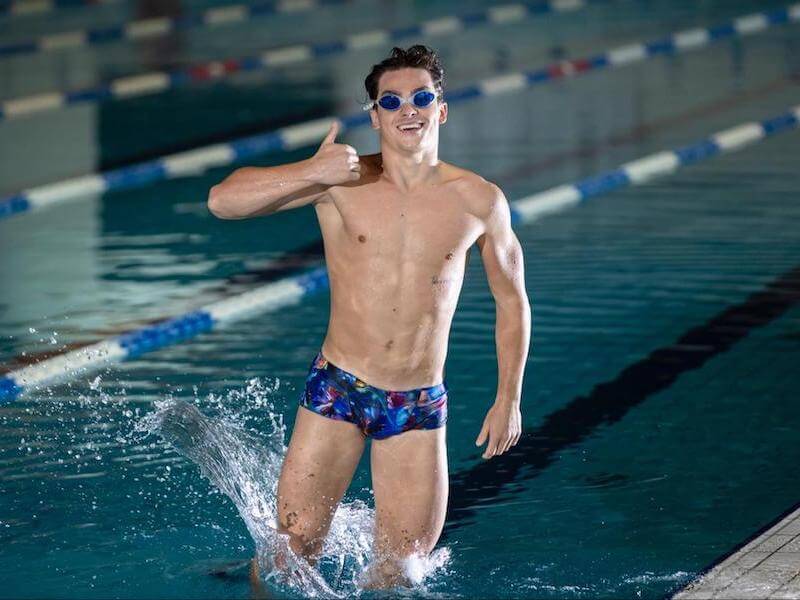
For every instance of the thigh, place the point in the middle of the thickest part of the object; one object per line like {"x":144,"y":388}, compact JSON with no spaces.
{"x":409,"y":478}
{"x":319,"y":465}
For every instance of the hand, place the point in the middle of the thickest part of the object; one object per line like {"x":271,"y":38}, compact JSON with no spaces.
{"x":502,"y":426}
{"x":335,"y":163}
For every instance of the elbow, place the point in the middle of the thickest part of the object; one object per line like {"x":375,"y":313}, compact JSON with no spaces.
{"x":216,"y":203}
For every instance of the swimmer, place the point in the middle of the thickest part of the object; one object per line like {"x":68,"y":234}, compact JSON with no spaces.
{"x":397,"y":228}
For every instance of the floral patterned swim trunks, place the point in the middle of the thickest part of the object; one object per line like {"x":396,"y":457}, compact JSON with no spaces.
{"x":335,"y":393}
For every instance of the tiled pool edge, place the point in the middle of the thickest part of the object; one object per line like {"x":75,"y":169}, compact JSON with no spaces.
{"x":766,"y":566}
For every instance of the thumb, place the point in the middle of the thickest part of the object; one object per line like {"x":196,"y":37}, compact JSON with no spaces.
{"x":483,"y":434}
{"x":332,"y":133}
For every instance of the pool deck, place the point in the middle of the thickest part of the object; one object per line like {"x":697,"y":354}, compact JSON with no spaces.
{"x":766,"y":567}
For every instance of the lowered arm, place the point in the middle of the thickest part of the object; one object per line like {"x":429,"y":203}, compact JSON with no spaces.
{"x":502,"y":258}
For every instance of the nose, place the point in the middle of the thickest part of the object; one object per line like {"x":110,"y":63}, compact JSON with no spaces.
{"x":408,"y":109}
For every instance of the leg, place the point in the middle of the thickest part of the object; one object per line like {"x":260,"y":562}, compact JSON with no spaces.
{"x":409,"y":478}
{"x":323,"y":455}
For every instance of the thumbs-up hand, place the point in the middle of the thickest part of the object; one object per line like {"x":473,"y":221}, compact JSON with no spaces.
{"x":335,"y":163}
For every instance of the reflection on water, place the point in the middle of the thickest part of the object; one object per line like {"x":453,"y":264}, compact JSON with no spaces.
{"x":246,"y":467}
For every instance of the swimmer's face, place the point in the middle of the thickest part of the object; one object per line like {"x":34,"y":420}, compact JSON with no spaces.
{"x":393,"y":124}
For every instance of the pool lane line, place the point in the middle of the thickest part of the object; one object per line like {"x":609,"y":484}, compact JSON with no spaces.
{"x":154,"y":27}
{"x":292,"y":263}
{"x":155,"y":82}
{"x":608,"y":402}
{"x":197,"y":160}
{"x":291,"y":289}
{"x":22,"y":8}
{"x":141,"y":341}
{"x":653,"y":165}
{"x":241,"y":13}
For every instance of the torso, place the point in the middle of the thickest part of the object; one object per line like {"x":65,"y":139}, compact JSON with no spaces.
{"x":396,"y":264}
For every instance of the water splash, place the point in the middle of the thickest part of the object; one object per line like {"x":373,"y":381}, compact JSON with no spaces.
{"x":244,"y":463}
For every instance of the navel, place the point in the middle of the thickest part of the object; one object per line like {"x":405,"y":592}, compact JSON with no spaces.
{"x":449,"y":256}
{"x":362,"y":238}
{"x":389,"y":344}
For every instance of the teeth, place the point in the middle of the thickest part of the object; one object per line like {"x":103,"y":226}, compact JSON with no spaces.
{"x":408,"y":127}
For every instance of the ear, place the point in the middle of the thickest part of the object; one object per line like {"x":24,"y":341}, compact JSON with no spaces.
{"x":443,"y":113}
{"x":373,"y":117}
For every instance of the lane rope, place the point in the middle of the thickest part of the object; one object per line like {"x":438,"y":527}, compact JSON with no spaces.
{"x":145,"y":29}
{"x":22,"y":8}
{"x":156,"y":82}
{"x":153,"y":27}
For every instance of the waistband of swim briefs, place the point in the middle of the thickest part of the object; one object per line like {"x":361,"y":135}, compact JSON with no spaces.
{"x":433,"y":391}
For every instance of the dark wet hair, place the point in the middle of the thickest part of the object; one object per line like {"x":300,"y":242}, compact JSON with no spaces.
{"x":416,"y":57}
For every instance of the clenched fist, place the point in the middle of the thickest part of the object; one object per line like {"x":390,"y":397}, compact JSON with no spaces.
{"x":335,"y":163}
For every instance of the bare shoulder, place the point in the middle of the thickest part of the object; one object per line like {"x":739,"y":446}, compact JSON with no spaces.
{"x":481,"y":196}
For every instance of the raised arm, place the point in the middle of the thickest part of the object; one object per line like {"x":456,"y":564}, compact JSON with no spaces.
{"x":259,"y":191}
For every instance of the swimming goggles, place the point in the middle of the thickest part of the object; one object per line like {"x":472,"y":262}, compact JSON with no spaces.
{"x":389,"y":101}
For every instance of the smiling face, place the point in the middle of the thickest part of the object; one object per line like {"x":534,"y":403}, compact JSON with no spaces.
{"x":408,"y":128}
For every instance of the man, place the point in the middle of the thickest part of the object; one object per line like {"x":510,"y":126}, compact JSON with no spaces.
{"x":397,"y":227}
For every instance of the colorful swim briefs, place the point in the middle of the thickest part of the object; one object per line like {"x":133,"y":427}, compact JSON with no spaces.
{"x":335,"y":393}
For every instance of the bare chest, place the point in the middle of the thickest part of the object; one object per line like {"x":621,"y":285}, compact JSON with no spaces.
{"x":376,"y":222}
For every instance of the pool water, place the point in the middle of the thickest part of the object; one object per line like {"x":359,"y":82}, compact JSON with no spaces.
{"x":658,"y":401}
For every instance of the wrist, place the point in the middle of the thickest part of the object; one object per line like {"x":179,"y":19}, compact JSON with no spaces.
{"x":308,"y":171}
{"x":507,"y":400}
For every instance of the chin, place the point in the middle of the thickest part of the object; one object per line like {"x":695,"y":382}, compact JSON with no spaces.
{"x":412,"y":143}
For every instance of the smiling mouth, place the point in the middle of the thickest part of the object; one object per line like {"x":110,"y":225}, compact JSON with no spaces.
{"x":409,"y":127}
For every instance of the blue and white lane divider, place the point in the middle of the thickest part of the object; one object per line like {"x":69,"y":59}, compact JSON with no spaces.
{"x":19,"y":8}
{"x":85,"y":360}
{"x":194,"y":162}
{"x":155,"y":82}
{"x":290,"y":290}
{"x":215,"y":17}
{"x":144,"y":29}
{"x":531,"y":208}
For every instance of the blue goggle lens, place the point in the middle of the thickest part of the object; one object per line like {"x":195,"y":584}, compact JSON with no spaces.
{"x":420,"y":100}
{"x":389,"y":102}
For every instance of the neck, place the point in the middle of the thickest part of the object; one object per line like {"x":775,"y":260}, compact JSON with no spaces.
{"x":410,"y":170}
